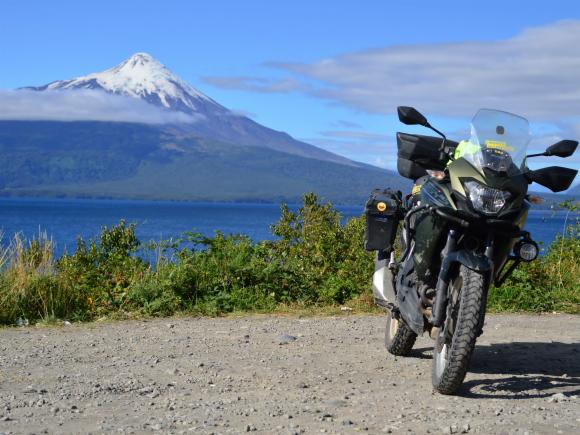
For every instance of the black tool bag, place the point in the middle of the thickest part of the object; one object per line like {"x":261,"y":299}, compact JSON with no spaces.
{"x":383,"y":212}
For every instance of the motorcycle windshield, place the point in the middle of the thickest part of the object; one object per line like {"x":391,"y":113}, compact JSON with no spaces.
{"x":499,"y":141}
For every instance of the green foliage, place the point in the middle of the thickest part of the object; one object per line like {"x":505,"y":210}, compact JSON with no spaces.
{"x":316,"y":261}
{"x":103,"y":270}
{"x":323,"y":259}
{"x":229,"y":273}
{"x":550,"y":283}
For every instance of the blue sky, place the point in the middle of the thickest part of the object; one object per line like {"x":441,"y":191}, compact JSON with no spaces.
{"x":327,"y":72}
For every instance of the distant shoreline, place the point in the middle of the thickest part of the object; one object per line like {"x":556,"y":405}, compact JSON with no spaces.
{"x":550,"y":200}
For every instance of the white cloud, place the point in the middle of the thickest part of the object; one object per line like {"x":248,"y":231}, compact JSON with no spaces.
{"x":83,"y":105}
{"x":536,"y":74}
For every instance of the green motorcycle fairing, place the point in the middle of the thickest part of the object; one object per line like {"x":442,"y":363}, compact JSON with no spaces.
{"x":431,"y":231}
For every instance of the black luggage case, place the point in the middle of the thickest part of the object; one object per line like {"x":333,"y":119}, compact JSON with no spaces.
{"x":383,"y":212}
{"x":417,"y":153}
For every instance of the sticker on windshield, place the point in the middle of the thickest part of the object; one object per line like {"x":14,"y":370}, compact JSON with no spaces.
{"x":495,"y":144}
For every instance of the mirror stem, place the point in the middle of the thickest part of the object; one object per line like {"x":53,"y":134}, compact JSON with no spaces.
{"x":532,"y":155}
{"x":442,"y":149}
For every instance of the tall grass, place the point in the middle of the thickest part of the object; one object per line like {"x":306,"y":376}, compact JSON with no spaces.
{"x":315,"y":262}
{"x":28,"y":283}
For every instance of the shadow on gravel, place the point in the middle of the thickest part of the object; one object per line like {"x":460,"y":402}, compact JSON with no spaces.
{"x":422,"y":353}
{"x":528,"y":370}
{"x":537,"y":370}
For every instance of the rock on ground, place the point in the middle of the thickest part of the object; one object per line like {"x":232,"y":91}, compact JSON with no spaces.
{"x":333,"y":375}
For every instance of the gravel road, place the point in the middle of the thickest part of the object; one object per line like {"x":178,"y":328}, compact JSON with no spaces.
{"x":283,"y":375}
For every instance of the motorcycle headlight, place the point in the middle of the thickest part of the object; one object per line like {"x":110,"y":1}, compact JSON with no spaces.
{"x":485,"y":199}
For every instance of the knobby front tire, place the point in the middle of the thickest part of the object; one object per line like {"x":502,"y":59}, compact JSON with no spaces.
{"x":455,"y":341}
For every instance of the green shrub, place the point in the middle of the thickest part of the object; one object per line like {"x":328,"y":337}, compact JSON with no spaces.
{"x":230,"y":273}
{"x":154,"y":294}
{"x":102,"y":270}
{"x":323,"y":259}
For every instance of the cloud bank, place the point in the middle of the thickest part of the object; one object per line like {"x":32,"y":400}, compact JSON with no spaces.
{"x":536,"y":74}
{"x":83,"y":105}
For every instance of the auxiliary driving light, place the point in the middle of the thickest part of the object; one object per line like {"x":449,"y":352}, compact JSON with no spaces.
{"x":527,"y":250}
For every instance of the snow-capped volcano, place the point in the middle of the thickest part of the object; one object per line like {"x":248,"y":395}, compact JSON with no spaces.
{"x":143,"y":76}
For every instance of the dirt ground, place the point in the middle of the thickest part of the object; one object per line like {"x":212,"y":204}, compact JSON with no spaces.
{"x":283,"y":375}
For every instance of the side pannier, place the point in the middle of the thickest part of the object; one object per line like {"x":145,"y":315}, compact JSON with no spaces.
{"x":383,"y":211}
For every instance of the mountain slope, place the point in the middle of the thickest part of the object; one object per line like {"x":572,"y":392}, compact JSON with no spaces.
{"x":121,"y":160}
{"x":142,"y":76}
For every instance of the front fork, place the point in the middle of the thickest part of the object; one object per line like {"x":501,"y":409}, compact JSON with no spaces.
{"x":453,"y":257}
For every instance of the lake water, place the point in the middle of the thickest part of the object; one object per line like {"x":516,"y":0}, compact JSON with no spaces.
{"x":65,"y":219}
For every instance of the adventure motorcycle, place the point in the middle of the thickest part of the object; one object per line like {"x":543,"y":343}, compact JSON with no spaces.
{"x":462,"y":231}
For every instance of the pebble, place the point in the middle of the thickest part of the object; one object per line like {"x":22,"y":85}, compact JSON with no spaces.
{"x":153,"y":394}
{"x":295,"y":430}
{"x":286,"y":339}
{"x":336,"y":402}
{"x":450,"y":429}
{"x":558,"y":397}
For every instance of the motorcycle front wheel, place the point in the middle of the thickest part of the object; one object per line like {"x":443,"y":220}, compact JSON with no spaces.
{"x":455,"y":340}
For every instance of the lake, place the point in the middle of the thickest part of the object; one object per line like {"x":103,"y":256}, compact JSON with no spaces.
{"x":65,"y":219}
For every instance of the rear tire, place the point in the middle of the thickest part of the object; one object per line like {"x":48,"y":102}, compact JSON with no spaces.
{"x":455,"y":341}
{"x":399,"y":338}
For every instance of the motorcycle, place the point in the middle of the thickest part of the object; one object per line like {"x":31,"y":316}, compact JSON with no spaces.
{"x":462,"y":231}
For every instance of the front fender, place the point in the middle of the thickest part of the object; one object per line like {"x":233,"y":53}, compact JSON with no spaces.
{"x":469,"y":259}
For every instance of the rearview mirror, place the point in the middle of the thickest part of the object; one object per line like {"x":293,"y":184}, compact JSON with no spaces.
{"x":555,"y":178}
{"x":564,"y":148}
{"x":411,"y":116}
